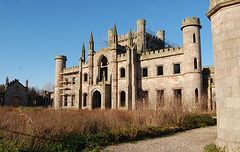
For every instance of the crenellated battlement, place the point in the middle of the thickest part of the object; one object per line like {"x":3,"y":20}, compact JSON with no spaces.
{"x":194,"y":21}
{"x":162,"y":53}
{"x":125,"y":36}
{"x":71,"y":69}
{"x":141,"y":21}
{"x":121,"y":57}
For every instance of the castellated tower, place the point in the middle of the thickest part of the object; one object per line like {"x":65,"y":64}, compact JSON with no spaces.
{"x":225,"y":22}
{"x":60,"y":64}
{"x":161,"y":36}
{"x":141,"y":37}
{"x":192,"y":65}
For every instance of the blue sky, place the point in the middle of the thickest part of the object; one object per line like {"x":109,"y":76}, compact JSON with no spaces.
{"x":33,"y":32}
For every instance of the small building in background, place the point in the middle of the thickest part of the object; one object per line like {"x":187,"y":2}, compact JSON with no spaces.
{"x":16,"y":94}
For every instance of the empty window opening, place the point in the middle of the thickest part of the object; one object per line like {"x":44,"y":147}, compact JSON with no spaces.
{"x":74,"y":81}
{"x":145,"y":98}
{"x":65,"y":100}
{"x":178,"y":96}
{"x":194,"y":38}
{"x":73,"y":100}
{"x":123,"y":99}
{"x":195,"y":63}
{"x":145,"y":72}
{"x":85,"y":77}
{"x":104,"y":68}
{"x":196,"y":95}
{"x":160,"y":70}
{"x":176,"y":68}
{"x":85,"y":100}
{"x":160,"y":98}
{"x":122,"y":73}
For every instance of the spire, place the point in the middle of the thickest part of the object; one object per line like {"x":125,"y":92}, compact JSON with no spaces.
{"x":130,"y":38}
{"x":114,"y":29}
{"x":83,"y":53}
{"x":91,"y":44}
{"x":91,"y":37}
{"x":114,"y":37}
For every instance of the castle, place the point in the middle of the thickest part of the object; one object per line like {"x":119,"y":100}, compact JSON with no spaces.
{"x":137,"y":69}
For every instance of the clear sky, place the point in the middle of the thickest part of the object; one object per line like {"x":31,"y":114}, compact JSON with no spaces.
{"x":33,"y":32}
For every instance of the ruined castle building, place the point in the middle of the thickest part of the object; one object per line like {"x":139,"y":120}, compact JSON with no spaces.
{"x":225,"y":20}
{"x":135,"y":70}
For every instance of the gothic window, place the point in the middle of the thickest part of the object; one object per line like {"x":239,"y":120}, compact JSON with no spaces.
{"x":195,"y":63}
{"x":144,"y":72}
{"x":104,"y":68}
{"x":123,"y":99}
{"x":122,"y":73}
{"x":85,"y":77}
{"x":160,"y":70}
{"x":177,"y":68}
{"x":196,"y":95}
{"x":194,"y":38}
{"x":85,"y":100}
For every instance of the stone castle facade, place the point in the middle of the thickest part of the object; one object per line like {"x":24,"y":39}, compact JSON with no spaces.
{"x":135,"y":70}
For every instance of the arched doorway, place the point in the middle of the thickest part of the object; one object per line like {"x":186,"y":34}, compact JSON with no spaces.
{"x":15,"y":101}
{"x":96,"y":102}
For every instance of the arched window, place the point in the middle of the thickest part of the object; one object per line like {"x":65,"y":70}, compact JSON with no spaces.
{"x":122,"y":73}
{"x":104,"y":68}
{"x":194,"y":38}
{"x":196,"y":95}
{"x":123,"y":99}
{"x":85,"y":77}
{"x":85,"y":100}
{"x":195,"y":63}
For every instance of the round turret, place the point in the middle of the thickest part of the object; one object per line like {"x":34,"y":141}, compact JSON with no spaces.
{"x":141,"y":38}
{"x":191,"y":22}
{"x":192,"y":64}
{"x":61,"y":57}
{"x":60,"y":65}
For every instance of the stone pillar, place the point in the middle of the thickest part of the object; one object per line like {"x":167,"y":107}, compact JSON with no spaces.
{"x":225,"y":21}
{"x":114,"y":79}
{"x":60,"y":64}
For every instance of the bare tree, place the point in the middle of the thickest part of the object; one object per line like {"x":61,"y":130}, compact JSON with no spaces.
{"x":48,"y":87}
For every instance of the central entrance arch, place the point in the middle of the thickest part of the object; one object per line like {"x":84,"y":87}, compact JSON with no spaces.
{"x":96,"y":100}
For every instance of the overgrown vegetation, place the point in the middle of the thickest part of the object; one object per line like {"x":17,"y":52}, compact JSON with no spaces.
{"x":212,"y":148}
{"x":38,"y":129}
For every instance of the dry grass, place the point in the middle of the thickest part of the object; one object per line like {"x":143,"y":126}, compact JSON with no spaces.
{"x":47,"y":125}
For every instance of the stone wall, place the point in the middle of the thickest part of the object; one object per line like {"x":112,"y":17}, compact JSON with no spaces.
{"x":225,"y":20}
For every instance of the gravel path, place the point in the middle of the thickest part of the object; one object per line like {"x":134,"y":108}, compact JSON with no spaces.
{"x":188,"y":141}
